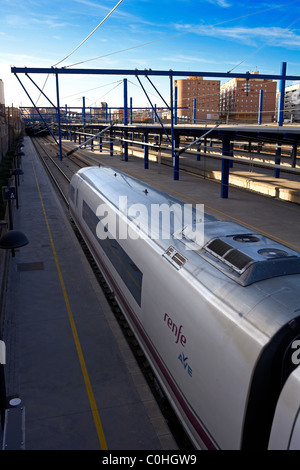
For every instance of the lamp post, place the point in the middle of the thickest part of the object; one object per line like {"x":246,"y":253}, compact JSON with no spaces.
{"x":16,"y":173}
{"x":13,"y":239}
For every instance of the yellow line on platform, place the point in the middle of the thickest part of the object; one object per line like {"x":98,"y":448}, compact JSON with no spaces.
{"x":88,"y":386}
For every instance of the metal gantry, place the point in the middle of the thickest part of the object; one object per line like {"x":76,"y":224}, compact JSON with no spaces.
{"x":173,"y":137}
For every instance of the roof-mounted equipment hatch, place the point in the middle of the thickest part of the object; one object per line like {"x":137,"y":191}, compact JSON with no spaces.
{"x":249,"y":257}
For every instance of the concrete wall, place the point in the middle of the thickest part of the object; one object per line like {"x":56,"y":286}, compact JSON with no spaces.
{"x":3,"y":137}
{"x":8,"y":133}
{"x":2,"y":102}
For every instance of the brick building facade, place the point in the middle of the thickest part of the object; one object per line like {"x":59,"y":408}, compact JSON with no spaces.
{"x":200,"y":95}
{"x":239,"y":99}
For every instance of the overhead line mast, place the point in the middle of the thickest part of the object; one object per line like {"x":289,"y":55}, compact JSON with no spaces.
{"x":283,"y":77}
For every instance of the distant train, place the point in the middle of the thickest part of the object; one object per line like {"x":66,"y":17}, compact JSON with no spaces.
{"x":218,"y":322}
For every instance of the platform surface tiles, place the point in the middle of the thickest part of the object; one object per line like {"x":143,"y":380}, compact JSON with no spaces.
{"x":67,"y":360}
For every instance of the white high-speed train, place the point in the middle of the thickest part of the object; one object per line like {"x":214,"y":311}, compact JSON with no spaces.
{"x":219,"y":320}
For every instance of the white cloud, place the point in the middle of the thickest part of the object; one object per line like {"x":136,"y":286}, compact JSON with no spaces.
{"x":15,"y":58}
{"x":93,"y":5}
{"x":119,"y":12}
{"x":220,"y":3}
{"x":247,"y":35}
{"x":20,"y":21}
{"x":279,"y":36}
{"x":187,"y":59}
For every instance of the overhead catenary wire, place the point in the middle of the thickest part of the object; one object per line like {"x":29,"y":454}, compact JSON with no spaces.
{"x":192,"y":31}
{"x":116,"y":84}
{"x":137,"y":86}
{"x":182,"y":34}
{"x":82,"y":42}
{"x":187,"y":32}
{"x":92,"y":89}
{"x":42,"y":90}
{"x":94,"y":30}
{"x":109,"y":91}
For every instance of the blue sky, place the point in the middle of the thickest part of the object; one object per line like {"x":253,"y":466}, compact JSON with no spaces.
{"x":190,"y":35}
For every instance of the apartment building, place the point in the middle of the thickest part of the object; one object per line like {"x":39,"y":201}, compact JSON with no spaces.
{"x":292,"y":103}
{"x":100,"y":113}
{"x":239,"y":99}
{"x":198,"y":98}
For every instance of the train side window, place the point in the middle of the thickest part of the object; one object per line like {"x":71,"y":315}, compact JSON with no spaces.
{"x":123,"y":264}
{"x":72,"y":193}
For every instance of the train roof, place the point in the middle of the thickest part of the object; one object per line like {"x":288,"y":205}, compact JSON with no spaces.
{"x":242,"y":255}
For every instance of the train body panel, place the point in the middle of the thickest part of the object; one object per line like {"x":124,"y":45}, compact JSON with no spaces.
{"x":285,"y":433}
{"x":208,"y":334}
{"x":193,"y":353}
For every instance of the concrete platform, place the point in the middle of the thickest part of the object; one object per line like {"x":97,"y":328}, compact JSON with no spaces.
{"x":66,"y":358}
{"x":245,"y":172}
{"x":247,"y":176}
{"x":275,"y":217}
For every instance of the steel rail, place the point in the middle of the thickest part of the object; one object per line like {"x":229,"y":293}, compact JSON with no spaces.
{"x":54,"y":179}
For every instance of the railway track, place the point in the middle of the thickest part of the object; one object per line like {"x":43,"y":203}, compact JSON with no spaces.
{"x":60,"y":173}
